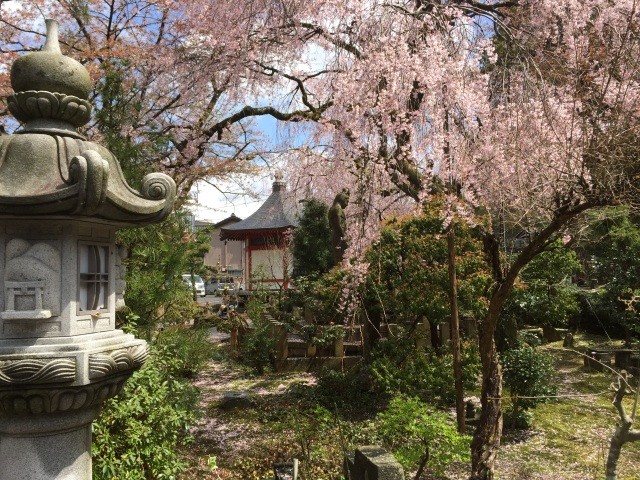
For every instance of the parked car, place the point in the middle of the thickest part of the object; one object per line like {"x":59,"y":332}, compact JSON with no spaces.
{"x":217,"y":285}
{"x":197,"y":283}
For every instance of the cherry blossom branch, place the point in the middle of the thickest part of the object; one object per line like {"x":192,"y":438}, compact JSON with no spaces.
{"x":318,"y":30}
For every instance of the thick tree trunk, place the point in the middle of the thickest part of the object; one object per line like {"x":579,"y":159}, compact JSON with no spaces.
{"x":486,"y":439}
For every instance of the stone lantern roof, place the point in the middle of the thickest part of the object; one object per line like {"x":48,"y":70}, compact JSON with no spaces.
{"x":275,"y":215}
{"x":49,"y":168}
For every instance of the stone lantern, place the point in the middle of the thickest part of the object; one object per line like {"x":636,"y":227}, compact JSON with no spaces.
{"x":62,"y":199}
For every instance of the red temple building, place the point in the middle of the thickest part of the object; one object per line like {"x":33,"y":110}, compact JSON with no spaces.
{"x":267,"y":236}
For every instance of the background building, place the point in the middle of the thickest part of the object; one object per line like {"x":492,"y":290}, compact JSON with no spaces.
{"x":224,"y":255}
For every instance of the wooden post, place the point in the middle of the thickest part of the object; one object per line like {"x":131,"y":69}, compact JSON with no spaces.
{"x":455,"y":328}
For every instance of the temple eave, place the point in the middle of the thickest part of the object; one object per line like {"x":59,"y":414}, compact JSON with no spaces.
{"x":255,"y":232}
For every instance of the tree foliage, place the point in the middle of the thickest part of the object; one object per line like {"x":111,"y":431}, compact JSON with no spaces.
{"x":157,"y":257}
{"x":312,"y":240}
{"x":408,"y":277}
{"x":544,"y":295}
{"x":609,"y":248}
{"x":421,"y":438}
{"x":177,"y":79}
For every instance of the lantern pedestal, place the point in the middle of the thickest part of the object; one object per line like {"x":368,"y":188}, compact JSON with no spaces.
{"x":55,"y":446}
{"x":51,"y":389}
{"x":60,"y":355}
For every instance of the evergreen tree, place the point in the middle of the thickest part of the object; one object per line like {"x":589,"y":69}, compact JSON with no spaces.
{"x":312,"y":240}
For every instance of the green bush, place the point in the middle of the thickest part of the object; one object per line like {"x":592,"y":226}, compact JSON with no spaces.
{"x":322,"y":296}
{"x":312,"y":240}
{"x":533,"y":339}
{"x":398,"y":368}
{"x":157,"y":257}
{"x":136,"y":434}
{"x":184,"y":351}
{"x":529,"y":376}
{"x":257,"y":346}
{"x":421,"y":437}
{"x":348,"y":391}
{"x":544,"y":295}
{"x":411,"y":258}
{"x":610,"y":251}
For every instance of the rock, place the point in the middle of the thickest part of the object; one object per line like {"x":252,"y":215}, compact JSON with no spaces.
{"x":550,"y":334}
{"x":372,"y":462}
{"x":235,"y":400}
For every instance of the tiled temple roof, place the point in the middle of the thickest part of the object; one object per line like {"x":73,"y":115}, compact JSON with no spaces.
{"x":275,"y":215}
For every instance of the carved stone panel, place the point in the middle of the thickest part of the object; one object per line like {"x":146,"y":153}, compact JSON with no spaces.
{"x":37,"y":371}
{"x":31,"y":279}
{"x":125,"y":359}
{"x":37,"y":400}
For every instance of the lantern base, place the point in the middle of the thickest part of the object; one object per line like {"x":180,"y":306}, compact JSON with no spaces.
{"x":47,"y":447}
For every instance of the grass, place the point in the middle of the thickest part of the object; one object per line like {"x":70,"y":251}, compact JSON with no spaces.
{"x":570,"y":435}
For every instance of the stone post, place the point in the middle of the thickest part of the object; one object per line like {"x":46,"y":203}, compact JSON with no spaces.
{"x":445,"y":332}
{"x":372,"y":462}
{"x":62,"y":199}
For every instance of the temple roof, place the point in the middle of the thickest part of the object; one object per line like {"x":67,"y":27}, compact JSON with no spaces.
{"x":230,"y":219}
{"x":275,"y":215}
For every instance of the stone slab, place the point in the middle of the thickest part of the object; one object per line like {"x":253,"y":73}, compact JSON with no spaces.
{"x":373,"y":462}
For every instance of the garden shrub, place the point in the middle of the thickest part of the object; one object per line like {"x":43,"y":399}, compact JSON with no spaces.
{"x":257,"y":344}
{"x":544,"y":295}
{"x":257,"y":347}
{"x":421,"y":437}
{"x":529,"y":376}
{"x":533,"y":339}
{"x":322,"y":296}
{"x":136,"y":435}
{"x":311,"y":248}
{"x":307,"y":432}
{"x":157,"y":257}
{"x":610,"y":251}
{"x":309,"y":428}
{"x":399,"y":368}
{"x":348,"y":391}
{"x":184,"y":351}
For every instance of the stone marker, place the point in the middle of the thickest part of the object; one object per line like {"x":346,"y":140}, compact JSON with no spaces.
{"x":568,"y":341}
{"x":286,"y":471}
{"x":373,"y":462}
{"x":62,"y":199}
{"x":597,"y":360}
{"x":445,"y":332}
